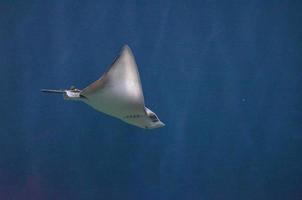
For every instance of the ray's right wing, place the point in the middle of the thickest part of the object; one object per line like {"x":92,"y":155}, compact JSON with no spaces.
{"x":120,"y":87}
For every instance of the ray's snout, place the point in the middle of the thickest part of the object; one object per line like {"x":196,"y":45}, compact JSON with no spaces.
{"x":161,"y":124}
{"x":158,"y":124}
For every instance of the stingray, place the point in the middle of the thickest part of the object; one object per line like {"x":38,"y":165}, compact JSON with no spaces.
{"x":117,"y":93}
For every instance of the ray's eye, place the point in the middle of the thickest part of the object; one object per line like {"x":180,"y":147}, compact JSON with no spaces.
{"x":153,"y":118}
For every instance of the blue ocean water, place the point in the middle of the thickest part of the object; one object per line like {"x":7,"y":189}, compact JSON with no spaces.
{"x":224,"y":76}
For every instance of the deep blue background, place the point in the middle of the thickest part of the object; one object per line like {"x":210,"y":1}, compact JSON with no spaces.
{"x":224,"y":76}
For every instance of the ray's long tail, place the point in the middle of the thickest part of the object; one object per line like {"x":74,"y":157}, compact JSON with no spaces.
{"x":53,"y":91}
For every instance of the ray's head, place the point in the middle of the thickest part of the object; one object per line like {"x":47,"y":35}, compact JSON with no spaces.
{"x":152,"y":120}
{"x":146,"y":120}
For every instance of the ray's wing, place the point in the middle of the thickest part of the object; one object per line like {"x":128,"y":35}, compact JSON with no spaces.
{"x":120,"y":87}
